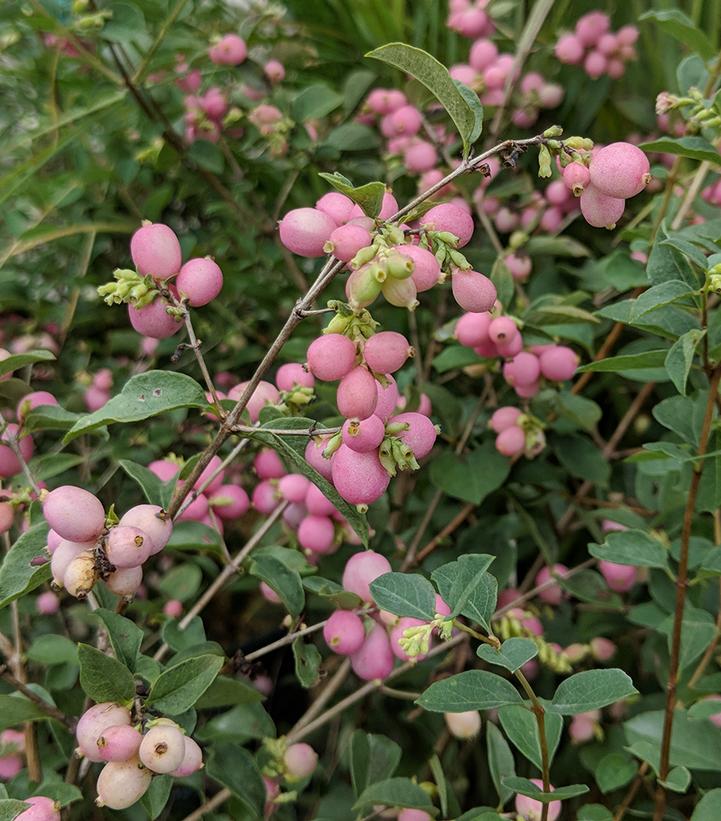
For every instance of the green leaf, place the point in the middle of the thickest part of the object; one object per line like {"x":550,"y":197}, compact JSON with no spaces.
{"x":156,"y":796}
{"x":405,"y":594}
{"x":455,"y":356}
{"x":614,"y":771}
{"x":395,"y":792}
{"x":694,"y":744}
{"x":208,"y":156}
{"x":144,"y":395}
{"x":18,"y":574}
{"x":521,"y":727}
{"x":48,"y":465}
{"x":368,"y":196}
{"x":680,"y":358}
{"x":313,"y":102}
{"x":594,"y":812}
{"x":52,"y":649}
{"x":695,"y":148}
{"x":49,"y":417}
{"x":373,"y":758}
{"x":20,"y":360}
{"x":476,"y":107}
{"x":591,"y":690}
{"x":634,"y":547}
{"x":235,"y":768}
{"x":682,"y":28}
{"x":181,"y":582}
{"x":434,"y":762}
{"x":16,"y":709}
{"x":284,"y":581}
{"x":471,"y":477}
{"x":10,"y":808}
{"x":125,"y":636}
{"x":178,"y":688}
{"x":149,"y":483}
{"x":227,"y":692}
{"x":677,"y":780}
{"x":63,"y":793}
{"x":707,"y":807}
{"x":627,"y":362}
{"x":500,"y":761}
{"x":466,"y":588}
{"x":307,"y":659}
{"x":524,"y":786}
{"x":104,"y":678}
{"x":658,"y":296}
{"x":352,"y":137}
{"x":697,"y":631}
{"x":435,"y":77}
{"x":470,"y":690}
{"x":336,"y":595}
{"x":512,"y":654}
{"x":548,"y":313}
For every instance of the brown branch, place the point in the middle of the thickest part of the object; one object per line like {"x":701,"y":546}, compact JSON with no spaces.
{"x":21,"y":687}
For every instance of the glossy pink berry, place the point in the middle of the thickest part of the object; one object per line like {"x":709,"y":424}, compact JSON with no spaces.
{"x":9,"y":462}
{"x":119,"y":743}
{"x":504,"y":418}
{"x":344,"y":632}
{"x":200,"y":280}
{"x":274,"y":70}
{"x":450,"y":218}
{"x":74,"y":514}
{"x":519,"y":265}
{"x":386,"y":352}
{"x":47,"y":604}
{"x":153,"y":320}
{"x":602,"y":649}
{"x":472,"y":328}
{"x":569,"y":49}
{"x":173,"y":609}
{"x":595,"y":64}
{"x":592,"y":26}
{"x":192,"y":759}
{"x":128,"y":546}
{"x":229,"y":502}
{"x":346,"y":240}
{"x":509,"y":347}
{"x":409,"y":814}
{"x":473,"y":291}
{"x":356,"y":396}
{"x":619,"y":170}
{"x":511,"y":441}
{"x":420,"y":156}
{"x":122,"y":783}
{"x":317,"y":503}
{"x":94,"y":722}
{"x":406,"y":120}
{"x":426,"y":270}
{"x":293,"y":375}
{"x":196,"y":511}
{"x":375,"y":658}
{"x":619,"y":577}
{"x":155,"y":250}
{"x":363,"y":435}
{"x":304,"y":231}
{"x":151,"y":521}
{"x":317,"y":534}
{"x":529,"y":809}
{"x":331,"y":357}
{"x":359,"y":478}
{"x":264,"y":394}
{"x":162,"y":748}
{"x":482,"y":54}
{"x":558,"y":363}
{"x":502,"y":329}
{"x":265,"y":497}
{"x":421,"y":433}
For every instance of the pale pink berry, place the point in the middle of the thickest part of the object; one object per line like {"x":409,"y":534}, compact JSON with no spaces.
{"x":94,"y":722}
{"x":274,"y":70}
{"x":524,"y":369}
{"x":268,"y":465}
{"x":293,"y":487}
{"x":314,"y":456}
{"x":304,"y":231}
{"x":554,"y":593}
{"x":229,"y":502}
{"x":619,"y":170}
{"x":162,"y":748}
{"x":230,"y":50}
{"x":155,"y":250}
{"x":511,"y":441}
{"x":463,"y":725}
{"x":401,"y":292}
{"x":556,"y":193}
{"x":128,"y":546}
{"x":388,"y":397}
{"x":449,"y":217}
{"x":80,"y":575}
{"x":264,"y":394}
{"x":214,"y":103}
{"x":386,"y":352}
{"x":576,"y":177}
{"x":300,"y":761}
{"x":619,"y":577}
{"x":42,"y":809}
{"x":346,"y":240}
{"x":529,"y":809}
{"x":602,"y":649}
{"x":7,"y":516}
{"x":9,"y":462}
{"x":119,"y":743}
{"x":265,"y":498}
{"x":519,"y":266}
{"x":504,"y":418}
{"x":125,"y":582}
{"x":153,"y":320}
{"x":122,"y":783}
{"x":317,"y":503}
{"x":344,"y":632}
{"x":196,"y":511}
{"x":362,"y":569}
{"x":464,"y":74}
{"x":420,"y":156}
{"x":173,"y":609}
{"x":200,"y":280}
{"x":426,"y":270}
{"x":10,"y":766}
{"x":359,"y":478}
{"x":482,"y":54}
{"x":32,"y":400}
{"x":473,"y":291}
{"x":47,"y":604}
{"x":375,"y":658}
{"x":527,"y":391}
{"x":95,"y":398}
{"x":592,"y":26}
{"x":337,"y":206}
{"x":356,"y":396}
{"x":269,"y":594}
{"x":294,"y":514}
{"x":595,"y":64}
{"x":473,"y":22}
{"x":192,"y":759}
{"x":291,"y":376}
{"x":558,"y":363}
{"x":404,"y":120}
{"x":472,"y":329}
{"x":420,"y":435}
{"x":363,"y":435}
{"x":551,"y":219}
{"x":600,"y":210}
{"x":331,"y":357}
{"x":550,"y":95}
{"x":384,"y":101}
{"x":409,"y":814}
{"x":615,"y":69}
{"x":164,"y":469}
{"x":74,"y":514}
{"x":502,"y":329}
{"x":151,"y":521}
{"x":627,"y":35}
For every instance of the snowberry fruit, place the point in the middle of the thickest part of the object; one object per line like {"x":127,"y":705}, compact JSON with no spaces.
{"x":80,"y":575}
{"x":292,"y":375}
{"x":504,"y":418}
{"x":576,"y":177}
{"x":362,"y":569}
{"x":314,"y":456}
{"x":472,"y":329}
{"x":386,"y":352}
{"x":331,"y":357}
{"x":420,"y":435}
{"x":122,"y":783}
{"x":346,"y":240}
{"x":529,"y":809}
{"x":426,"y":270}
{"x":93,"y":722}
{"x":229,"y":502}
{"x":463,"y":725}
{"x":619,"y":577}
{"x":155,"y":250}
{"x":304,"y":231}
{"x":409,"y":814}
{"x":148,"y":519}
{"x":162,"y":748}
{"x":33,"y":400}
{"x":119,"y":743}
{"x":293,"y":487}
{"x":364,"y":435}
{"x":200,"y":280}
{"x":268,"y":465}
{"x":300,"y":761}
{"x":41,"y":808}
{"x":558,"y":363}
{"x":47,"y":604}
{"x":449,"y":217}
{"x":63,"y":554}
{"x":153,"y":320}
{"x":511,"y":441}
{"x":344,"y":632}
{"x":502,"y":329}
{"x":599,"y":209}
{"x":192,"y":759}
{"x":356,"y":396}
{"x":337,"y":206}
{"x":553,"y":594}
{"x":317,"y":534}
{"x":128,"y":546}
{"x":619,"y":170}
{"x":519,"y":266}
{"x":230,"y":50}
{"x":9,"y":462}
{"x":523,"y":369}
{"x":473,"y":291}
{"x":375,"y":658}
{"x":125,"y":582}
{"x":317,"y":503}
{"x":359,"y":478}
{"x":388,"y":398}
{"x":74,"y":513}
{"x":398,"y":632}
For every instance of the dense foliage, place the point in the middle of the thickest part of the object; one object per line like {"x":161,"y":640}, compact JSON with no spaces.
{"x":359,"y":400}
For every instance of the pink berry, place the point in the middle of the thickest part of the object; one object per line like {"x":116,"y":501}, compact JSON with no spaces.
{"x":409,"y":814}
{"x":33,"y":400}
{"x":388,"y":397}
{"x":344,"y":632}
{"x":356,"y":396}
{"x":122,"y":783}
{"x":196,"y":511}
{"x":317,"y":503}
{"x":291,"y":376}
{"x":9,"y":462}
{"x":268,"y":465}
{"x":627,"y":35}
{"x":128,"y":546}
{"x":364,"y":435}
{"x":162,"y":748}
{"x":164,"y":469}
{"x":576,"y":177}
{"x":509,"y":347}
{"x":156,"y":251}
{"x":300,"y":761}
{"x":230,"y":50}
{"x":42,"y":809}
{"x":464,"y":74}
{"x":472,"y":329}
{"x":119,"y":743}
{"x":264,"y":394}
{"x":426,"y":270}
{"x":502,"y":329}
{"x":153,"y":320}
{"x":554,"y":594}
{"x":337,"y":206}
{"x":519,"y":266}
{"x":375,"y":658}
{"x":362,"y":569}
{"x":523,"y":369}
{"x":600,"y":210}
{"x":619,"y":577}
{"x":592,"y":26}
{"x":294,"y":514}
{"x":304,"y":231}
{"x":405,"y":120}
{"x":47,"y":603}
{"x":511,"y":441}
{"x":314,"y":456}
{"x":95,"y":398}
{"x":10,"y":766}
{"x":317,"y":534}
{"x":74,"y":513}
{"x":359,"y":478}
{"x":293,"y":487}
{"x":192,"y":759}
{"x":558,"y":363}
{"x":331,"y":357}
{"x":147,"y":518}
{"x":386,"y":352}
{"x":420,"y":156}
{"x":346,"y":240}
{"x":173,"y":609}
{"x":421,"y":434}
{"x":274,"y":70}
{"x":125,"y":582}
{"x":619,"y":170}
{"x":595,"y":64}
{"x":200,"y":280}
{"x":531,"y":810}
{"x":602,"y":649}
{"x":473,"y":291}
{"x":229,"y":502}
{"x":504,"y":418}
{"x":463,"y":725}
{"x":450,"y":218}
{"x":265,"y":498}
{"x":482,"y":54}
{"x":94,"y":722}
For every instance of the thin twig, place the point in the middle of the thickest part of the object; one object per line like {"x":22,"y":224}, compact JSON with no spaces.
{"x":289,"y":639}
{"x":21,"y":687}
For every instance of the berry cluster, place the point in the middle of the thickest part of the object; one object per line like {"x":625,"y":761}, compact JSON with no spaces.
{"x":470,"y":18}
{"x":594,"y":45}
{"x":133,"y":752}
